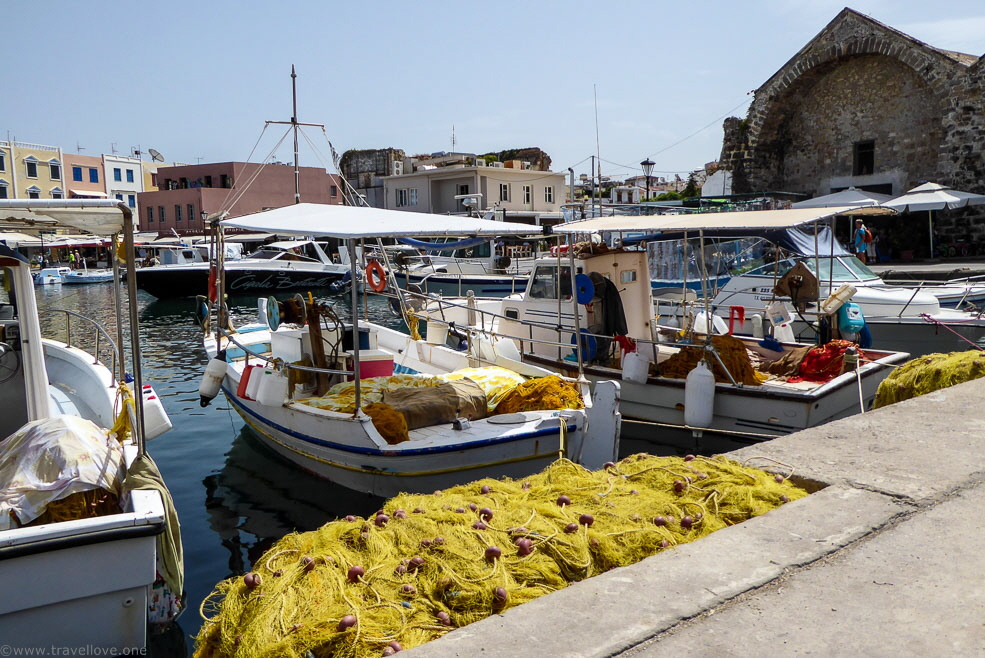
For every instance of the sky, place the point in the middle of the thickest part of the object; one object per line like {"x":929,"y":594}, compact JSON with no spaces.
{"x":621,"y":80}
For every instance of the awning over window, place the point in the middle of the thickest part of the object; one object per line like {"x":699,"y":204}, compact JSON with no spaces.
{"x":88,"y":194}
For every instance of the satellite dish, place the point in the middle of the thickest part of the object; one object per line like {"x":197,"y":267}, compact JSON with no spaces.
{"x":155,"y":155}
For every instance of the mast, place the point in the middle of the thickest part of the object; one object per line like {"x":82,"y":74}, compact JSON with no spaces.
{"x":296,"y":127}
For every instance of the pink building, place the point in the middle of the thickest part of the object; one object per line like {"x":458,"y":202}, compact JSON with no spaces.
{"x":186,"y":192}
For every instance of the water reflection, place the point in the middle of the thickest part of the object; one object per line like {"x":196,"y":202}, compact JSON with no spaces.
{"x":258,"y":497}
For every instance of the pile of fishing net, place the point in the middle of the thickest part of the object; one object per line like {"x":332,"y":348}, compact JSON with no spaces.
{"x":731,"y":351}
{"x":426,"y":564}
{"x":541,"y":394}
{"x":928,"y":374}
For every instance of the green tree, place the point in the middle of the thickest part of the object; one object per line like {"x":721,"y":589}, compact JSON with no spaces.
{"x":691,"y":190}
{"x":669,"y":196}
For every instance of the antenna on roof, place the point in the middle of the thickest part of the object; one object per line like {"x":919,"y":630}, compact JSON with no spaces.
{"x":78,"y":147}
{"x":136,"y":152}
{"x":155,"y":155}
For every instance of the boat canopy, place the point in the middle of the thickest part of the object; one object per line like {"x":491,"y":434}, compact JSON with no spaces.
{"x":351,"y":222}
{"x":749,"y":222}
{"x":96,"y":216}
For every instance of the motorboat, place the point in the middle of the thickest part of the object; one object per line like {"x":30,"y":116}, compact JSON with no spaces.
{"x":85,"y":276}
{"x":292,"y":265}
{"x":330,"y":431}
{"x":83,"y":512}
{"x":611,"y":296}
{"x":49,"y":276}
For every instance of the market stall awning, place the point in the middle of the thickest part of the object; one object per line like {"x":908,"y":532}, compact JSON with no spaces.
{"x":349,"y":222}
{"x":96,"y":216}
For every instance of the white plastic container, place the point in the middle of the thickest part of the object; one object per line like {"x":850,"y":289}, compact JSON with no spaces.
{"x":286,"y":344}
{"x":778,"y":314}
{"x":437,"y":332}
{"x":699,"y":396}
{"x":272,"y":390}
{"x":635,"y":367}
{"x":253,"y":385}
{"x":757,"y":325}
{"x":215,"y":372}
{"x":262,"y":311}
{"x":836,"y":299}
{"x":156,"y":421}
{"x":784,"y":333}
{"x":701,"y":324}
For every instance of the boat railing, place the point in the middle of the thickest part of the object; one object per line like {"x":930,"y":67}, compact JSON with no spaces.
{"x":280,"y":363}
{"x":559,"y":328}
{"x":99,"y":333}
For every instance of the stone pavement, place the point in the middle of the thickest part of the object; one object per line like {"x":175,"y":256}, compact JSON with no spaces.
{"x":885,"y":558}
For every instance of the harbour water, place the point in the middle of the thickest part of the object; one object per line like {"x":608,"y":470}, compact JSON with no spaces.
{"x":234,"y":497}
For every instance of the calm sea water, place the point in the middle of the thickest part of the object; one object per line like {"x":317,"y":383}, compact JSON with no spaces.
{"x":234,"y":497}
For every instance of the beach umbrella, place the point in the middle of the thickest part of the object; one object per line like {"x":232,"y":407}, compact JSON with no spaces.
{"x":850,"y":197}
{"x":931,"y":197}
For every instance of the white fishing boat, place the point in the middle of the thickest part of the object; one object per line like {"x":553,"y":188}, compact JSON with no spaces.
{"x":50,"y":276}
{"x":81,"y":563}
{"x":458,"y":266}
{"x":613,"y":297}
{"x":329,"y":431}
{"x":85,"y":276}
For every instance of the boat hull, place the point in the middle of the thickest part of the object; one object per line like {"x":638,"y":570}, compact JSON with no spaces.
{"x":164,"y":282}
{"x":458,"y":285}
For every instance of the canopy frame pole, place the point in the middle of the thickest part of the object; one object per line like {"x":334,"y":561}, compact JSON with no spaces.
{"x":574,"y":305}
{"x":138,"y":381}
{"x":354,"y":299}
{"x":118,"y":305}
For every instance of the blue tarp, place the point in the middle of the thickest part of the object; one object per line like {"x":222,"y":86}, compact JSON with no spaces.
{"x":442,"y":246}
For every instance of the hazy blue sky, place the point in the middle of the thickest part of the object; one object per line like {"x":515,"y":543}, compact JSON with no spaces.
{"x":197,"y":79}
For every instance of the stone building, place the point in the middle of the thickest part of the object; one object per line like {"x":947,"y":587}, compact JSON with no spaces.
{"x":865,"y":105}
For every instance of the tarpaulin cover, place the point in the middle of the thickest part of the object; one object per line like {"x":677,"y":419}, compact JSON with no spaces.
{"x":47,"y":460}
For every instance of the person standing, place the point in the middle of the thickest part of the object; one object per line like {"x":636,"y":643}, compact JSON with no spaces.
{"x":71,"y":259}
{"x":859,"y":243}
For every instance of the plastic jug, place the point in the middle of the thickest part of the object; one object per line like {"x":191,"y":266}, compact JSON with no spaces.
{"x":273,"y":389}
{"x":635,"y":367}
{"x":784,"y":333}
{"x":778,"y":314}
{"x":244,"y":381}
{"x":836,"y":299}
{"x":253,"y":386}
{"x":699,"y":396}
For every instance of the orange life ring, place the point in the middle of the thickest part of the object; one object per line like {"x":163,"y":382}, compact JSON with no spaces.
{"x":376,"y":276}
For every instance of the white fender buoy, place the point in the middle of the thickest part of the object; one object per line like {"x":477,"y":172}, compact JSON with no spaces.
{"x":635,"y":367}
{"x":215,"y":372}
{"x":699,"y":397}
{"x":757,"y":325}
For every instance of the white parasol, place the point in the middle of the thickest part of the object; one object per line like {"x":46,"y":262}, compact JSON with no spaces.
{"x":850,"y":197}
{"x":931,"y":197}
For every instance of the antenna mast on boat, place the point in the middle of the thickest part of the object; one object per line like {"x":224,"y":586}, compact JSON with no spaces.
{"x":296,"y":126}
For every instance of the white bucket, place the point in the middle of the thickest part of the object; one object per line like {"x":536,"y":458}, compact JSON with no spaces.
{"x":437,"y":332}
{"x":273,"y":388}
{"x":635,"y":367}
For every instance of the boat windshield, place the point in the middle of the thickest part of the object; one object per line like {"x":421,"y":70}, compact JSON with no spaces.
{"x":271,"y":254}
{"x":544,"y":282}
{"x":843,"y":269}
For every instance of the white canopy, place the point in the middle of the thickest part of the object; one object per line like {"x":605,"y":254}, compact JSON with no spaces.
{"x":753,"y":221}
{"x":850,"y":197}
{"x":97,"y":216}
{"x":932,"y":196}
{"x":348,"y":222}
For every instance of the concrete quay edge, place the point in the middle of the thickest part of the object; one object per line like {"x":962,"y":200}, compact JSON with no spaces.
{"x":875,"y":473}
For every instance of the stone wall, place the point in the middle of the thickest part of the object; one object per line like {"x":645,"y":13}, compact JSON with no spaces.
{"x":364,"y":169}
{"x":860,"y":80}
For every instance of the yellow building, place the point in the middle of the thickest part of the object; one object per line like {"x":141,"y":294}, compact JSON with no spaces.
{"x":6,"y":172}
{"x":37,"y":171}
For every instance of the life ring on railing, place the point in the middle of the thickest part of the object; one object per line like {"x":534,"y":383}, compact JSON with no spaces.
{"x":559,"y":249}
{"x":376,"y":276}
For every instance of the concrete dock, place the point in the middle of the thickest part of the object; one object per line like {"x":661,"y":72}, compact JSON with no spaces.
{"x":885,"y":558}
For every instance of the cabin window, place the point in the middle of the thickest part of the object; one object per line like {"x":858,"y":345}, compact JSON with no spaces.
{"x":864,"y":158}
{"x":512,"y":313}
{"x":478,"y":251}
{"x":627,"y":276}
{"x":544,"y":282}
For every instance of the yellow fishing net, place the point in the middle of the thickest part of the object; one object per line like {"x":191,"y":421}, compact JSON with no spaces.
{"x":389,"y":422}
{"x":732,"y":352}
{"x":543,"y":393}
{"x":494,"y":381}
{"x":929,"y":373}
{"x":429,"y":563}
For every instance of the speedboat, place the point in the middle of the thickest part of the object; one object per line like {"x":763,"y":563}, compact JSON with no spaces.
{"x":342,"y":430}
{"x":49,"y":276}
{"x":276,"y":267}
{"x":83,"y":512}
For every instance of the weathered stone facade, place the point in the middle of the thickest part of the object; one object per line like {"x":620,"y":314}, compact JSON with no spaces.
{"x":364,"y":170}
{"x":858,"y":81}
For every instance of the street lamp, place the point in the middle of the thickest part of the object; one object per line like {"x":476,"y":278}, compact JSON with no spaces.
{"x":647,"y":170}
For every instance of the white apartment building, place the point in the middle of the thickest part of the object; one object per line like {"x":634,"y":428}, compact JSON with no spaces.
{"x":124,"y":178}
{"x":510,"y":189}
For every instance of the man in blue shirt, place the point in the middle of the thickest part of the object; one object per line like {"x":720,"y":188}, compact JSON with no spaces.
{"x":858,"y":243}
